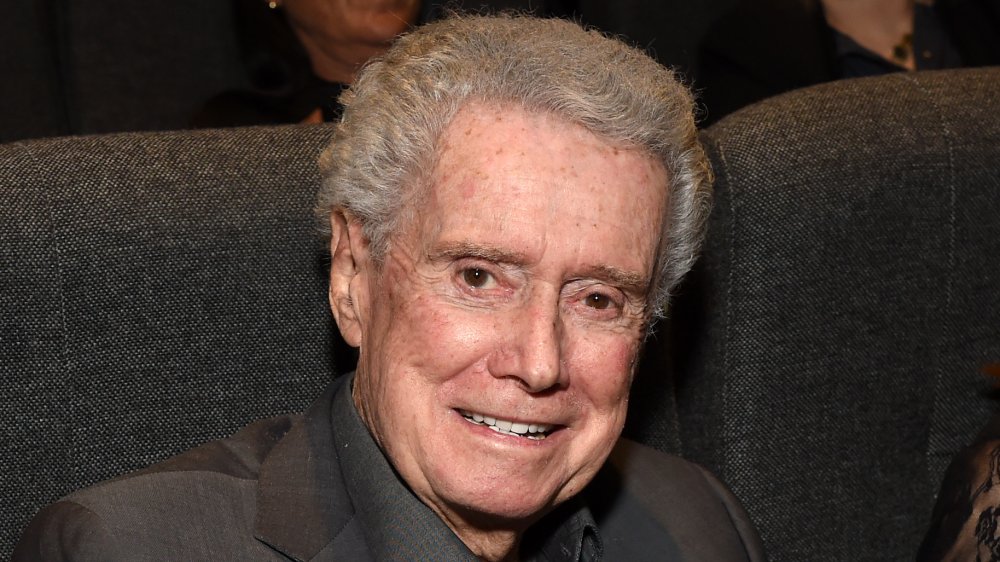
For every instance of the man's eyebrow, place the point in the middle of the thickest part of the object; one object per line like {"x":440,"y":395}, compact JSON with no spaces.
{"x":456,"y":250}
{"x":628,"y":281}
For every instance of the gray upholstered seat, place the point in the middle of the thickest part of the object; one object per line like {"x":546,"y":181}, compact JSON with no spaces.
{"x":157,"y":290}
{"x":849,"y":296}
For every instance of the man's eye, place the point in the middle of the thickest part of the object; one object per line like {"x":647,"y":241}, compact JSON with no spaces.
{"x":598,"y":301}
{"x":477,"y":278}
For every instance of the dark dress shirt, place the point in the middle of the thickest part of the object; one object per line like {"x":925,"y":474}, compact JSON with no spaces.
{"x":317,"y":487}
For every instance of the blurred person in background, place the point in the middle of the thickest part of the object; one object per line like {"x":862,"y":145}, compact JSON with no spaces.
{"x":765,"y":47}
{"x":300,"y":54}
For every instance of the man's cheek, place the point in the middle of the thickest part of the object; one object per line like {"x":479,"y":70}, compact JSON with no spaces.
{"x":439,"y":335}
{"x":604,"y":361}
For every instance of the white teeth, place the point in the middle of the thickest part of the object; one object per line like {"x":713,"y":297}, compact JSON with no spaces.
{"x":531,"y":431}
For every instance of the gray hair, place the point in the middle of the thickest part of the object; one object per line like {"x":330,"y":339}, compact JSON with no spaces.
{"x":402,"y":102}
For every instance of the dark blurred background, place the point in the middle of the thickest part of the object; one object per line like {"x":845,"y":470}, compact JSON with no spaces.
{"x":96,"y":66}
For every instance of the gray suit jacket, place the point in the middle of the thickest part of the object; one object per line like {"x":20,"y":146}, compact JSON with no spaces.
{"x":280,"y":489}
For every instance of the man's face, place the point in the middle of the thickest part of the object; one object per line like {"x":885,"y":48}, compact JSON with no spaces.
{"x":499,"y":337}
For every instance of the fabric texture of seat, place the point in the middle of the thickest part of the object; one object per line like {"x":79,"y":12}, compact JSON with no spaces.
{"x":158,"y":290}
{"x":829,"y":349}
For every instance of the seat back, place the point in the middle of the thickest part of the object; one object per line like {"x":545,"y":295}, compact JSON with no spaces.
{"x":158,"y":290}
{"x":828,"y":350}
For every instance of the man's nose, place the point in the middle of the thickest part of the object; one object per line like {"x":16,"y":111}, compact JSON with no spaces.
{"x":532,"y":346}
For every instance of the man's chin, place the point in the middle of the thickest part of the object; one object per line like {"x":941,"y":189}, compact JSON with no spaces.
{"x":506,"y":495}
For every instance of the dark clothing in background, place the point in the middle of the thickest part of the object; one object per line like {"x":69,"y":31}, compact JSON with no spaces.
{"x":317,"y":487}
{"x":965,"y":524}
{"x":931,"y":44}
{"x":281,"y":85}
{"x":763,"y":48}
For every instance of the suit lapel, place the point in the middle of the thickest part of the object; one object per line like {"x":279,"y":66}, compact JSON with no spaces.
{"x":303,"y":508}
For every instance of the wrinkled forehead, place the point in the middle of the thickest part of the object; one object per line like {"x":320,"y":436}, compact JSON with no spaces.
{"x":536,"y":185}
{"x":467,"y":123}
{"x":471,"y":184}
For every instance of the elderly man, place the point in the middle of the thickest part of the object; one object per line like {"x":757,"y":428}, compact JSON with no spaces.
{"x":509,"y":203}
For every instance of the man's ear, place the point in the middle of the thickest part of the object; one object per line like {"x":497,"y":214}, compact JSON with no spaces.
{"x":349,"y":265}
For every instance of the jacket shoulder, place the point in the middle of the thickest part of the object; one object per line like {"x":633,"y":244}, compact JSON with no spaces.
{"x":696,"y":516}
{"x":208,"y":492}
{"x":66,"y":531}
{"x":239,"y":455}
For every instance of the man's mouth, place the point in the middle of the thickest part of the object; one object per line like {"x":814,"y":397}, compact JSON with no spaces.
{"x":536,"y":431}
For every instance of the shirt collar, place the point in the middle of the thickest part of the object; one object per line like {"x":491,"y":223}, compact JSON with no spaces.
{"x":568,"y":533}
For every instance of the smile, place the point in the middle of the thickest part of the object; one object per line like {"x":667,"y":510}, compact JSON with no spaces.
{"x":536,"y":431}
